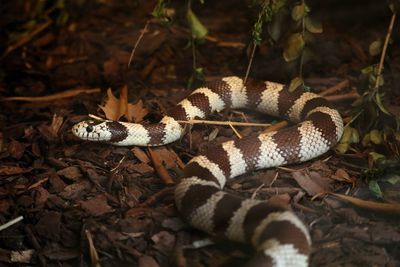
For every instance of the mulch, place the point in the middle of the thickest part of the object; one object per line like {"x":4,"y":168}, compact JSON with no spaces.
{"x":95,"y":204}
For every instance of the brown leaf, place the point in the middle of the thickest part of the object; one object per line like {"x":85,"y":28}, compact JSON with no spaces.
{"x":115,"y":108}
{"x":308,"y":184}
{"x":342,"y":175}
{"x":111,"y":107}
{"x":136,"y":112}
{"x":96,"y":206}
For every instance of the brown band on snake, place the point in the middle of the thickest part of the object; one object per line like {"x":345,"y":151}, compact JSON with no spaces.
{"x":274,"y":230}
{"x":194,"y":169}
{"x":254,"y":92}
{"x":200,"y":101}
{"x":218,"y":156}
{"x":289,"y":138}
{"x":312,"y":104}
{"x":287,"y":99}
{"x":225,"y":209}
{"x":118,"y":131}
{"x":221,"y":88}
{"x":196,"y":196}
{"x":250,"y":148}
{"x":323,"y":123}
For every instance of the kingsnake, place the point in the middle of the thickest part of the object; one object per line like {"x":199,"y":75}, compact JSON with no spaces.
{"x":278,"y":236}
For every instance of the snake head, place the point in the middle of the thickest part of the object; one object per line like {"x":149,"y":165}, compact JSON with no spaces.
{"x":91,"y":130}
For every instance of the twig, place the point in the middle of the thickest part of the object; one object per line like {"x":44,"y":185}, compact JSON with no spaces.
{"x":157,"y":196}
{"x":161,"y":170}
{"x":235,"y":131}
{"x":92,"y":249}
{"x":348,"y":96}
{"x":227,"y":123}
{"x":388,"y":34}
{"x":27,"y":38}
{"x":142,"y":32}
{"x":10,"y":223}
{"x":95,"y":117}
{"x":276,"y":127}
{"x":253,"y":51}
{"x":53,"y":97}
{"x":335,"y":88}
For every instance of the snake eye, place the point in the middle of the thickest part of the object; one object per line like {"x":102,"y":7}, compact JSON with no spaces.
{"x":89,"y":128}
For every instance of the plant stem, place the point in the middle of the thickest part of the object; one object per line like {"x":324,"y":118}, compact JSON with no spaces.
{"x":380,"y":67}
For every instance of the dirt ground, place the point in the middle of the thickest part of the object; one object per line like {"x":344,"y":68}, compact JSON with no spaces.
{"x":85,"y":203}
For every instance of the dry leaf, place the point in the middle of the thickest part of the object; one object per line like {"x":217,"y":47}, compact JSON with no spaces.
{"x":308,"y":184}
{"x":136,"y":112}
{"x":115,"y":108}
{"x":111,"y":107}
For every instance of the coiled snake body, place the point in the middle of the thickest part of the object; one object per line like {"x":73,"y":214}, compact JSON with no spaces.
{"x":278,"y":236}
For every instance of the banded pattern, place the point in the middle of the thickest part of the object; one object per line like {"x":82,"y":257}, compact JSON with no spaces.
{"x":278,"y":236}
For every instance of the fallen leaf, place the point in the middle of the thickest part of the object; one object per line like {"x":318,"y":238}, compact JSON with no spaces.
{"x":308,"y":184}
{"x":115,"y":108}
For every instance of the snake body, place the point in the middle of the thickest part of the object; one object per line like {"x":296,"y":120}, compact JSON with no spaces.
{"x":278,"y":236}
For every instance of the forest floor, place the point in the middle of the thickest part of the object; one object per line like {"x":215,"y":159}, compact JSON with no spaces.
{"x":85,"y":203}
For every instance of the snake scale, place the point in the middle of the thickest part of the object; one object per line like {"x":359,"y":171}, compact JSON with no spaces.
{"x":278,"y":236}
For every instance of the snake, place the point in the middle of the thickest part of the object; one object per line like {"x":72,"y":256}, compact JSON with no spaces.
{"x":278,"y":236}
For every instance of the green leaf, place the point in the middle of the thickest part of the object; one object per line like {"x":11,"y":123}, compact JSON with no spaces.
{"x":354,"y":137}
{"x":299,"y":12}
{"x":342,"y":148}
{"x":199,"y":31}
{"x":394,"y":179}
{"x":295,"y":83}
{"x":197,"y":75}
{"x":378,"y":101}
{"x":294,"y":47}
{"x":366,"y":139}
{"x":376,"y":156}
{"x":376,"y":137}
{"x":375,"y":48}
{"x":346,"y":136}
{"x":313,"y":25}
{"x":375,"y":189}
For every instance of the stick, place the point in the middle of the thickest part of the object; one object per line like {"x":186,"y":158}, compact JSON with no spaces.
{"x":226,"y":123}
{"x":10,"y":223}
